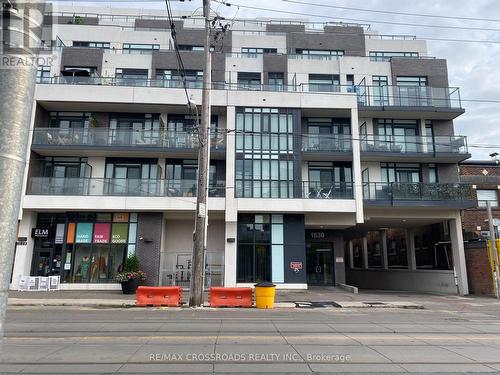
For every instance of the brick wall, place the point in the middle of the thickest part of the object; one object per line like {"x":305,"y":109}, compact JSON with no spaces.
{"x":478,"y":268}
{"x":477,"y":170}
{"x":149,"y":228}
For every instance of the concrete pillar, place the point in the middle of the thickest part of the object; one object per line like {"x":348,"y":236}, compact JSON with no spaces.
{"x":410,"y":249}
{"x":231,"y":215}
{"x":365,"y":252}
{"x":457,"y":246}
{"x":351,"y":255}
{"x":338,"y":254}
{"x":383,"y":248}
{"x":356,"y":166}
{"x":24,"y":253}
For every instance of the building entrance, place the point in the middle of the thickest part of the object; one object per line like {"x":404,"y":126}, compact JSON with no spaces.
{"x":320,"y":265}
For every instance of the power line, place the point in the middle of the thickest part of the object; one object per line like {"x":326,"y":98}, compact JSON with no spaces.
{"x":356,"y":19}
{"x":392,"y":12}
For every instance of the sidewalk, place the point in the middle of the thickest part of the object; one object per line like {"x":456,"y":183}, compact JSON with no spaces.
{"x":313,"y":298}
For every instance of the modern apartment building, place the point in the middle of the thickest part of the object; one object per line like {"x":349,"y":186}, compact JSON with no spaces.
{"x":333,"y":156}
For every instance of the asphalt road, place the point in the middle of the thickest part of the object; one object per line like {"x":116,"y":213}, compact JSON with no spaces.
{"x":444,"y":338}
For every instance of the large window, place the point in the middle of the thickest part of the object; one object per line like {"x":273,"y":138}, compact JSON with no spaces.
{"x":101,"y":45}
{"x":182,"y":178}
{"x":134,"y":129}
{"x":324,"y":82}
{"x":97,"y":245}
{"x":69,"y":120}
{"x":328,"y":180}
{"x":172,"y":78}
{"x":126,"y":176}
{"x":260,"y":248}
{"x":264,"y":153}
{"x":397,"y":255}
{"x":397,"y":135}
{"x":387,"y":56}
{"x":320,"y":52}
{"x":328,"y":134}
{"x":136,"y":77}
{"x":484,"y":196}
{"x":249,"y":81}
{"x":400,"y":172}
{"x":43,"y":74}
{"x":412,"y":91}
{"x":276,"y":81}
{"x":251,"y":50}
{"x":140,"y":48}
{"x":380,"y":90}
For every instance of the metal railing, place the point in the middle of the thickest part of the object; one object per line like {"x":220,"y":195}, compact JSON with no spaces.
{"x":321,"y":190}
{"x":408,"y":96}
{"x":414,"y":144}
{"x":418,"y":191}
{"x":107,"y":137}
{"x":80,"y":186}
{"x":326,"y":143}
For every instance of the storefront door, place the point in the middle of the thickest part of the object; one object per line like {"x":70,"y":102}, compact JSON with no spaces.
{"x":42,"y":260}
{"x":319,"y":260}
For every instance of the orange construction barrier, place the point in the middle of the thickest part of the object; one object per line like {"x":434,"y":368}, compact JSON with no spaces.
{"x":230,"y":297}
{"x":158,"y":296}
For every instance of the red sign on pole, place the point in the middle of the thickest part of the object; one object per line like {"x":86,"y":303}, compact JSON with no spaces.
{"x":296,"y":265}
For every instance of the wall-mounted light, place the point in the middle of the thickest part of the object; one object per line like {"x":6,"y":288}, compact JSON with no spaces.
{"x":145,"y":240}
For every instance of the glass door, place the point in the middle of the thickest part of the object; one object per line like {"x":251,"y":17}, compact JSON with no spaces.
{"x":42,"y":262}
{"x":320,"y":266}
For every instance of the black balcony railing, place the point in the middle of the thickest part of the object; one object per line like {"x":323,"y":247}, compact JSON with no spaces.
{"x":414,"y":144}
{"x":119,"y":187}
{"x":124,"y":137}
{"x":321,"y":190}
{"x":399,"y":191}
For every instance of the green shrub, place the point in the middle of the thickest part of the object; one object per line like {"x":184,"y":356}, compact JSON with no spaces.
{"x":131,"y":264}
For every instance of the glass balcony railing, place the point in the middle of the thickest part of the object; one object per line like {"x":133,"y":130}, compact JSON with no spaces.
{"x":321,"y":190}
{"x":106,"y":137}
{"x":414,"y":144}
{"x":118,"y":187}
{"x":408,"y":96}
{"x":368,"y":96}
{"x":399,"y":191}
{"x":326,"y":143}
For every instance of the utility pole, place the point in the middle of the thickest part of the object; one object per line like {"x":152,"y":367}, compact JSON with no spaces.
{"x":201,"y":219}
{"x":17,"y":89}
{"x":496,"y":275}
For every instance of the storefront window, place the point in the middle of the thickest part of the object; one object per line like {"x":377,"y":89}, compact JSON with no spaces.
{"x":96,"y":249}
{"x":260,"y":240}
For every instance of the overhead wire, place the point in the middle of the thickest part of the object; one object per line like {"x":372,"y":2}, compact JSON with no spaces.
{"x":310,"y":3}
{"x":302,"y":14}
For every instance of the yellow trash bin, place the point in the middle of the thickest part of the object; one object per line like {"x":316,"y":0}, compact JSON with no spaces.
{"x":264,"y":295}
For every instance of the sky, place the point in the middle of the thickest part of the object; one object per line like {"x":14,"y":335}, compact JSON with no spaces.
{"x":473,"y":67}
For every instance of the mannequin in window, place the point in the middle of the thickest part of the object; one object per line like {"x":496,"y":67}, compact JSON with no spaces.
{"x":85,"y":267}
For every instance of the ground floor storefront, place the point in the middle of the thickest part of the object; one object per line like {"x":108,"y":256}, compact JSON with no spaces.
{"x":87,"y":249}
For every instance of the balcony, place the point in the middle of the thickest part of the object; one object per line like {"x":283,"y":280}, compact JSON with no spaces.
{"x":400,"y":194}
{"x":319,"y":190}
{"x":49,"y":139}
{"x":414,"y":148}
{"x":443,"y":102}
{"x":326,"y":146}
{"x":118,"y":187}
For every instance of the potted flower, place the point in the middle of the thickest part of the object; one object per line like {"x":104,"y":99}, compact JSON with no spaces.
{"x":131,"y":275}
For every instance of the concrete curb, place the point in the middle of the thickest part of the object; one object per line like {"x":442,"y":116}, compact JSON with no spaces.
{"x":97,"y":303}
{"x":348,"y":288}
